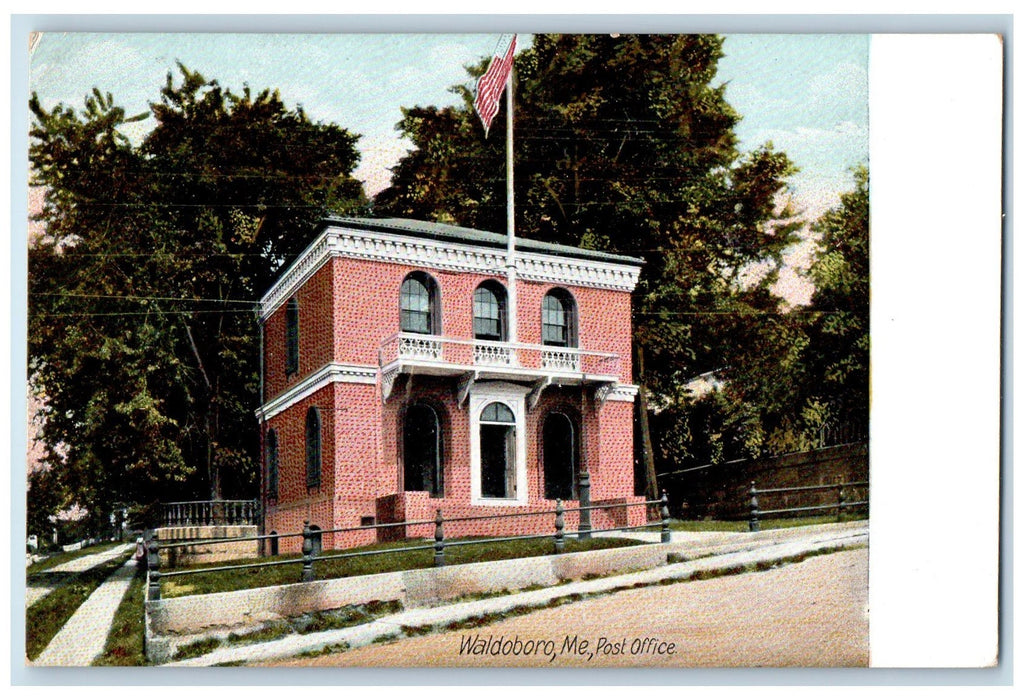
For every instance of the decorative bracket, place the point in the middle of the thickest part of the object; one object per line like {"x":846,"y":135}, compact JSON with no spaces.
{"x":533,"y":398}
{"x":387,"y":383}
{"x":466,"y":383}
{"x":602,"y":392}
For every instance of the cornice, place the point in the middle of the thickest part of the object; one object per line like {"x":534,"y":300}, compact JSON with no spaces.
{"x":326,"y":375}
{"x":623,"y":392}
{"x":377,"y":246}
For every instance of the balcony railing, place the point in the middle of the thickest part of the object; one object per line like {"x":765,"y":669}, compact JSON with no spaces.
{"x":448,"y":354}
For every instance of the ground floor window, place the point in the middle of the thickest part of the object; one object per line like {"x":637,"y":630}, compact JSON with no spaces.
{"x":497,"y":452}
{"x":421,"y":450}
{"x":497,"y":413}
{"x":560,"y":445}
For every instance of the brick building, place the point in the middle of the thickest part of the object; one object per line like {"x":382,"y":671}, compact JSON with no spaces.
{"x":400,"y":376}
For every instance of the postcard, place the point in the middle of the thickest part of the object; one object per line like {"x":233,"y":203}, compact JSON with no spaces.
{"x":392,"y":350}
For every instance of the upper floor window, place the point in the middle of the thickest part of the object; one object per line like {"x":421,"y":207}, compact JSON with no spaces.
{"x":489,"y":309}
{"x":418,"y":305}
{"x":558,"y":319}
{"x":272,"y":463}
{"x":291,"y":321}
{"x":313,"y":456}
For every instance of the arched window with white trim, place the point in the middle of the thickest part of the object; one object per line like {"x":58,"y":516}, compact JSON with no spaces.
{"x":558,"y":319}
{"x":490,"y":312}
{"x":497,"y":451}
{"x":419,"y":305}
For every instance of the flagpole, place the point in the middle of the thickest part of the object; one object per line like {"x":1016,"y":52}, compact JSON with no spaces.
{"x":510,"y":212}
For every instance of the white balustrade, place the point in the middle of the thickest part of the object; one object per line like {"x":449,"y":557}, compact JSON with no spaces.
{"x":562,"y":360}
{"x":494,"y":354}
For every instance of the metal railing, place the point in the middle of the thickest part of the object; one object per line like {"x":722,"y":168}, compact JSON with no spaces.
{"x":841,"y":505}
{"x":191,"y":513}
{"x":490,"y":354}
{"x":312,"y":537}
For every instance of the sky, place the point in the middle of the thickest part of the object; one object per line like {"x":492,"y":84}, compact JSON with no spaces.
{"x":807,"y":94}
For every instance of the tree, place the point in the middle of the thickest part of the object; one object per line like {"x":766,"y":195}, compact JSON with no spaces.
{"x":142,"y":293}
{"x":837,"y":355}
{"x":622,"y":144}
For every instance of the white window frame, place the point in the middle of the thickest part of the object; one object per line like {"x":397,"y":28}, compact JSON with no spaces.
{"x":513,"y":396}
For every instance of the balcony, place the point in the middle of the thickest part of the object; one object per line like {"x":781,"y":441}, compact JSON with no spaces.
{"x":410,"y":353}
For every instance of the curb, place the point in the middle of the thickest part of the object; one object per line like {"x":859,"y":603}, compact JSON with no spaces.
{"x":418,"y":620}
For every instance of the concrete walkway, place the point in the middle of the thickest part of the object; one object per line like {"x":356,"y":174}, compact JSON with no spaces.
{"x":84,"y":635}
{"x":788,"y":544}
{"x":75,"y":566}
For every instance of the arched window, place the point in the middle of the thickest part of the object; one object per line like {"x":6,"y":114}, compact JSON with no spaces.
{"x":272,"y":463}
{"x":497,"y":451}
{"x":489,"y":310}
{"x":560,"y":440}
{"x":291,"y":320}
{"x":418,"y":304}
{"x":313,"y":448}
{"x":422,"y":440}
{"x":558,"y":319}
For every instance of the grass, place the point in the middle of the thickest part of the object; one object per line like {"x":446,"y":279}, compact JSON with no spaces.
{"x":742,"y":526}
{"x":302,"y":624}
{"x":125,"y":643}
{"x":386,"y":561}
{"x":45,"y":618}
{"x":64,"y":557}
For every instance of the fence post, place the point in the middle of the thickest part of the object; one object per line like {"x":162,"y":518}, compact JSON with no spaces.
{"x":666,"y":534}
{"x":153,"y":563}
{"x":307,"y":553}
{"x":841,"y":504}
{"x":559,"y":527}
{"x":584,"y":533}
{"x":754,"y":525}
{"x":438,"y":539}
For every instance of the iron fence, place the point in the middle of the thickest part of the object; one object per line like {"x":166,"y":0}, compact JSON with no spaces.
{"x":311,"y":536}
{"x":841,"y":505}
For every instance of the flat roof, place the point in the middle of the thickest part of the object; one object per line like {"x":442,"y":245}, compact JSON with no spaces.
{"x":461,"y":234}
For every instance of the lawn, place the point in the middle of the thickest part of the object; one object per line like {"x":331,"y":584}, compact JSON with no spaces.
{"x":45,"y":618}
{"x":63,"y":557}
{"x":742,"y":525}
{"x":125,"y":644}
{"x":385,"y":561}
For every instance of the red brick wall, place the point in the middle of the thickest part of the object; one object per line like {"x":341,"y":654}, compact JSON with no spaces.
{"x":345,"y":311}
{"x":316,"y":335}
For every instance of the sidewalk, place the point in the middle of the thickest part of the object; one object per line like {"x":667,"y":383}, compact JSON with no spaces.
{"x":34,"y":593}
{"x":765,"y":550}
{"x":84,"y":635}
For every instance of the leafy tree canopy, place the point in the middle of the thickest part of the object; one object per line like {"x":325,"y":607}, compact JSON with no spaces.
{"x":142,"y":292}
{"x":623,"y":143}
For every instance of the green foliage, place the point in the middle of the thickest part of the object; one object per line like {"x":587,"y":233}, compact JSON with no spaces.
{"x":142,"y":329}
{"x":838,"y":353}
{"x":623,"y":143}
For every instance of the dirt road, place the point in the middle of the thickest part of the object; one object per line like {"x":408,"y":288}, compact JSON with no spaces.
{"x":809,"y":614}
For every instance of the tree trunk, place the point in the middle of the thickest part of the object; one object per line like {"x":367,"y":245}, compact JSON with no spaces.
{"x":645,"y":428}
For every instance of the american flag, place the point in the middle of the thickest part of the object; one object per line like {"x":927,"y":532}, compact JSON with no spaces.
{"x":492,"y":82}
